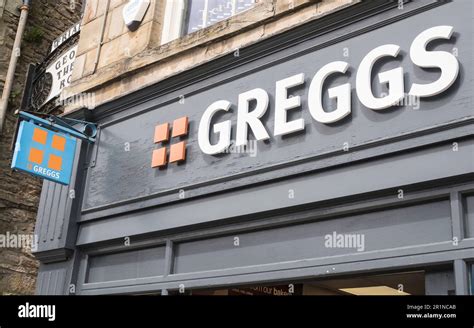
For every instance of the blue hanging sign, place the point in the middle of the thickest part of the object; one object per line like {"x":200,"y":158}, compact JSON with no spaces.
{"x":44,"y":153}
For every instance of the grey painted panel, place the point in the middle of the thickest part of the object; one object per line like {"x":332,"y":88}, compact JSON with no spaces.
{"x":52,"y":279}
{"x":461,"y":277}
{"x":469,"y":216}
{"x":57,"y":210}
{"x":434,"y":254}
{"x":46,"y":214}
{"x":457,"y":216}
{"x":390,"y":172}
{"x":52,"y":211}
{"x":108,"y":183}
{"x":413,"y":225}
{"x":283,"y":272}
{"x":439,"y":282}
{"x":455,"y":131}
{"x":126,"y":265}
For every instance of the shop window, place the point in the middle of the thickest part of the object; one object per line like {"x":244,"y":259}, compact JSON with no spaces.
{"x":203,"y":13}
{"x":388,"y":284}
{"x":187,"y":16}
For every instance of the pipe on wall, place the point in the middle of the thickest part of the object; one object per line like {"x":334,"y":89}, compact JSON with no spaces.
{"x":24,"y":9}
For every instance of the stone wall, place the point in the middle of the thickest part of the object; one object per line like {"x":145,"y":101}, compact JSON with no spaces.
{"x":19,"y":193}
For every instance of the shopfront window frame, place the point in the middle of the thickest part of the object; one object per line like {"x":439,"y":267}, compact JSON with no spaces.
{"x":175,"y":20}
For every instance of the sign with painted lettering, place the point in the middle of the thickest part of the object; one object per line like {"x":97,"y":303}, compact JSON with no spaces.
{"x":280,"y":290}
{"x":253,"y":104}
{"x":73,"y":30}
{"x":61,"y":72}
{"x":44,"y":153}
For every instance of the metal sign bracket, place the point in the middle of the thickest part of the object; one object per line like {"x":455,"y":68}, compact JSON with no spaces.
{"x":87,"y":132}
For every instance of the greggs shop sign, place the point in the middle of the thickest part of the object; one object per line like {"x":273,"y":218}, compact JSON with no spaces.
{"x":444,"y":61}
{"x":44,"y":153}
{"x":251,"y":119}
{"x":290,"y":111}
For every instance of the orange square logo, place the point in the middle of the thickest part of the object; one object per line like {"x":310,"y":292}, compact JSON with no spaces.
{"x":178,"y":152}
{"x":180,"y":127}
{"x":35,"y":156}
{"x":40,"y":136}
{"x":59,"y":143}
{"x":158,"y":158}
{"x":162,"y":132}
{"x":55,"y":162}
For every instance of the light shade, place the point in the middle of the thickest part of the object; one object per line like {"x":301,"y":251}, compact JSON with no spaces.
{"x":374,"y":290}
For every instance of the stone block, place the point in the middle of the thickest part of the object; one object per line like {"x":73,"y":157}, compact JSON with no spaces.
{"x":90,"y":35}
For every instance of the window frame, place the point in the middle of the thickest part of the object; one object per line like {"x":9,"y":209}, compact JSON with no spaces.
{"x":174,"y":20}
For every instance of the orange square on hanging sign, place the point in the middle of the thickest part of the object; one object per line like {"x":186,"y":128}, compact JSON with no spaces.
{"x":59,"y":143}
{"x":35,"y":156}
{"x":180,"y":127}
{"x":55,"y":162}
{"x":40,"y":136}
{"x":162,"y":132}
{"x":159,"y":157}
{"x":178,"y":152}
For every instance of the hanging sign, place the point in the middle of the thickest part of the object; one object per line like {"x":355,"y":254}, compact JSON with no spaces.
{"x":61,"y":72}
{"x":44,"y":153}
{"x":73,"y":30}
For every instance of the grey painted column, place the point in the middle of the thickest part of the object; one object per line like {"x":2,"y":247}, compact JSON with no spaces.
{"x":439,"y":282}
{"x":168,"y":263}
{"x":460,"y":277}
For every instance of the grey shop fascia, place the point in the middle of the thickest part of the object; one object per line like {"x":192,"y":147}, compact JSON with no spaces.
{"x":419,"y":55}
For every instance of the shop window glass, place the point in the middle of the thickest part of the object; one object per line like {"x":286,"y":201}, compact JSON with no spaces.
{"x":389,"y":284}
{"x":203,"y":13}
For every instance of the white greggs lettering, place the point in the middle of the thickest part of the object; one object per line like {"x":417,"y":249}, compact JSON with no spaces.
{"x":445,"y":61}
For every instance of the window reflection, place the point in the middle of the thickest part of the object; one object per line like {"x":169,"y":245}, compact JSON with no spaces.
{"x":203,"y":13}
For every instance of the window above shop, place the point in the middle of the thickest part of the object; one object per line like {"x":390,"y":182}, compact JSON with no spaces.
{"x":203,"y":13}
{"x":183,"y":17}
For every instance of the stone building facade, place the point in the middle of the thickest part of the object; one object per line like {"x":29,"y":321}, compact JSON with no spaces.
{"x":369,"y":144}
{"x":19,"y":193}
